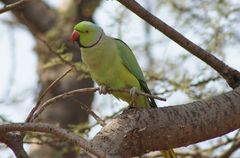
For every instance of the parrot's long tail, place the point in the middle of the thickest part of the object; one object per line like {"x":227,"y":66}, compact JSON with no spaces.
{"x":168,"y":153}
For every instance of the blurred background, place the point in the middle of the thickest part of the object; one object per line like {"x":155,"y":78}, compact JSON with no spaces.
{"x":27,"y":66}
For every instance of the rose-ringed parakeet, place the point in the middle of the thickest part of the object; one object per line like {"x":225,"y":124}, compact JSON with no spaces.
{"x":111,"y":63}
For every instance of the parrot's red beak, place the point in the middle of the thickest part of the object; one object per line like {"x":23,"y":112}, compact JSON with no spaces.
{"x":75,"y":36}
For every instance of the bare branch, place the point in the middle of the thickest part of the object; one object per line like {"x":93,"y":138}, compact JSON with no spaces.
{"x":55,"y":53}
{"x":231,"y":75}
{"x":13,"y":6}
{"x":51,"y":129}
{"x":235,"y":146}
{"x":85,"y":90}
{"x":96,"y":117}
{"x":30,"y":115}
{"x":59,"y":97}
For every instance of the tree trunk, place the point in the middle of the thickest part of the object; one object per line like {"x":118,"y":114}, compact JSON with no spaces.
{"x":56,"y":27}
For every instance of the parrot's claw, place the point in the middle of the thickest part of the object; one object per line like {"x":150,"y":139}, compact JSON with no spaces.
{"x":133,"y":96}
{"x":102,"y":89}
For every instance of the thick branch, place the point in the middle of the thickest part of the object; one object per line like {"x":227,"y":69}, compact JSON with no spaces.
{"x":139,"y":131}
{"x":231,"y":75}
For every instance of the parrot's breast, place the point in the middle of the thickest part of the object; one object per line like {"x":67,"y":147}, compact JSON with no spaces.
{"x":103,"y":63}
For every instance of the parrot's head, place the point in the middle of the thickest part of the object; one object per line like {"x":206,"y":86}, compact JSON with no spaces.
{"x":87,"y":34}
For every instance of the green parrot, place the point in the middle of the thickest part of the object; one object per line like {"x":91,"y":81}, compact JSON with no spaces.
{"x":111,"y":63}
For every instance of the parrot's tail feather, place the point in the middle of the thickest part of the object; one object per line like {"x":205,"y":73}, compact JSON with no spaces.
{"x":146,"y":90}
{"x":168,"y":153}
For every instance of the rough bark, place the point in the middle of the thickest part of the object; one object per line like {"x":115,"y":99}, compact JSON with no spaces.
{"x":139,"y":131}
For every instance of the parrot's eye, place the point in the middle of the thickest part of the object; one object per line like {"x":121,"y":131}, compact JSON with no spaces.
{"x":87,"y":31}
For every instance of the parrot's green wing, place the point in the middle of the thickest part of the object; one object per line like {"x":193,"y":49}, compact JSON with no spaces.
{"x":130,"y":62}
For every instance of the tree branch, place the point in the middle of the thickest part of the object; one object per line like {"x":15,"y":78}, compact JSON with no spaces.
{"x":136,"y":132}
{"x":94,"y":115}
{"x":31,"y":15}
{"x":65,"y":95}
{"x":51,"y":129}
{"x":41,"y":96}
{"x":15,"y":142}
{"x":231,"y":75}
{"x":13,"y":6}
{"x":231,"y":150}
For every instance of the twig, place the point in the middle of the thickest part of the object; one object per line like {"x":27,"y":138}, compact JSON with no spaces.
{"x":61,"y":96}
{"x":137,"y":92}
{"x":86,"y":90}
{"x":51,"y":129}
{"x":13,"y":6}
{"x":3,"y":119}
{"x":212,"y":148}
{"x":30,"y":115}
{"x":231,"y":75}
{"x":205,"y":81}
{"x":54,"y":52}
{"x":96,"y":117}
{"x":231,"y":150}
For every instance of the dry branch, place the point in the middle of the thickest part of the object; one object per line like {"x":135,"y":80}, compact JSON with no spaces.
{"x":85,"y":90}
{"x":235,"y":146}
{"x":51,"y":50}
{"x":41,"y":96}
{"x":231,"y":75}
{"x":51,"y":129}
{"x":94,"y":115}
{"x":13,"y":6}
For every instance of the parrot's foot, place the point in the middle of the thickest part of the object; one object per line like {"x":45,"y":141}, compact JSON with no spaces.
{"x":103,"y":89}
{"x":133,"y":96}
